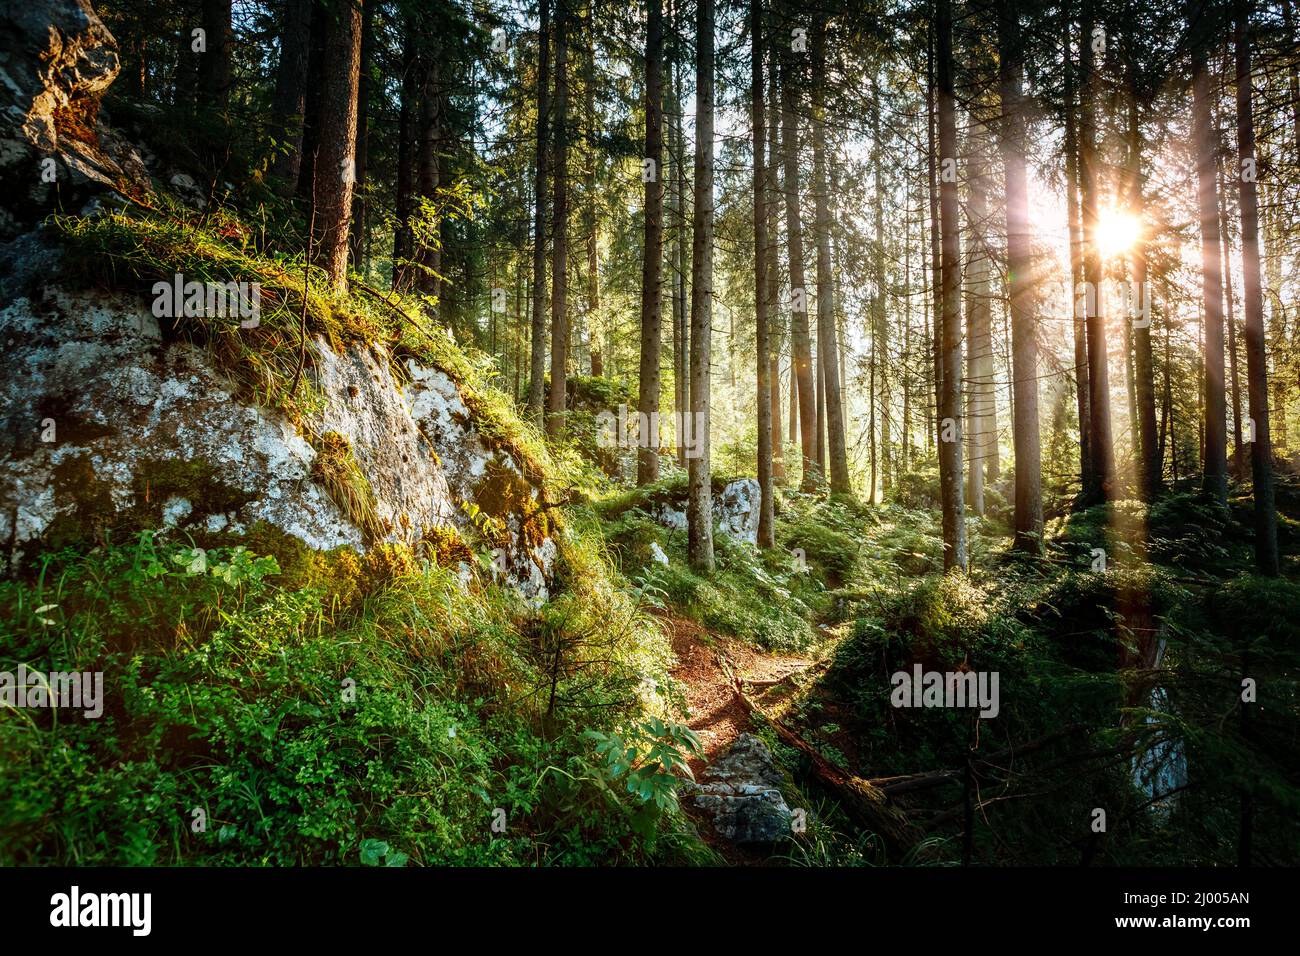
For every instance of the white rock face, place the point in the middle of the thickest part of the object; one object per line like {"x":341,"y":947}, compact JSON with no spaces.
{"x":92,"y":373}
{"x":735,"y":511}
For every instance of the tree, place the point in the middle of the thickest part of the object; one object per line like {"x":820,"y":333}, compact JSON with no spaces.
{"x":290,"y":98}
{"x":699,"y":507}
{"x":827,"y":347}
{"x":1214,"y":473}
{"x":762,"y":285}
{"x":950,"y":447}
{"x":1101,"y":481}
{"x":1148,"y":451}
{"x":560,"y":225}
{"x":800,"y":343}
{"x":334,"y":171}
{"x":1261,"y":448}
{"x":537,"y":339}
{"x":652,"y":254}
{"x":1024,"y":323}
{"x":214,"y":61}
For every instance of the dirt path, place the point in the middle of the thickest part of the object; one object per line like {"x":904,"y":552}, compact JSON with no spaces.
{"x":705,"y":663}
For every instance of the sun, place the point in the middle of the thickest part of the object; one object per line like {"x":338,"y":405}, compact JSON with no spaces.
{"x":1117,"y":231}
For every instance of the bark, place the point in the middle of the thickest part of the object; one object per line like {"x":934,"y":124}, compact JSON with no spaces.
{"x":560,"y":240}
{"x":800,"y":344}
{"x":652,"y":255}
{"x":403,"y":243}
{"x":699,"y":508}
{"x":334,"y":170}
{"x":1102,"y":484}
{"x":950,"y":444}
{"x":321,"y":21}
{"x":1149,"y":472}
{"x":1214,"y":472}
{"x":537,"y":333}
{"x":357,"y":241}
{"x":290,"y":98}
{"x":1230,"y":318}
{"x":429,"y":178}
{"x":827,"y":346}
{"x":773,"y":280}
{"x":681,"y":335}
{"x":762,"y":287}
{"x":214,"y":62}
{"x":935,"y":300}
{"x":1261,"y":449}
{"x":979,"y":327}
{"x":1028,"y":520}
{"x":1082,"y":401}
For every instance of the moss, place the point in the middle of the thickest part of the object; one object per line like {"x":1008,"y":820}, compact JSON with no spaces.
{"x":158,"y":479}
{"x":445,"y":546}
{"x":386,"y":563}
{"x":93,"y":512}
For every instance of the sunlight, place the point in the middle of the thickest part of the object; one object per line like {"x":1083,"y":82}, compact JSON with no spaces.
{"x":1117,"y":231}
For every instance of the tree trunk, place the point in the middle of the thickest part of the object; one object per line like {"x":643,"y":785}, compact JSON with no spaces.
{"x":1214,"y":473}
{"x":290,"y":98}
{"x":1076,"y":268}
{"x":800,"y":344}
{"x":681,"y":334}
{"x":762,"y":287}
{"x":335,"y":162}
{"x":428,"y":278}
{"x":950,"y":447}
{"x":935,"y":299}
{"x":1024,"y":323}
{"x":357,"y":240}
{"x":1102,"y":484}
{"x":652,"y":255}
{"x":560,"y":226}
{"x":773,"y":280}
{"x":1230,"y":318}
{"x":827,"y":346}
{"x":214,"y":61}
{"x":537,"y":329}
{"x":979,"y":324}
{"x":1148,"y":447}
{"x":699,"y":509}
{"x":1261,"y":448}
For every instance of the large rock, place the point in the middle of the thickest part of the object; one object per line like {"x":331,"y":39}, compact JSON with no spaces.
{"x":56,"y":60}
{"x":105,"y":419}
{"x":741,"y":793}
{"x":735,"y":511}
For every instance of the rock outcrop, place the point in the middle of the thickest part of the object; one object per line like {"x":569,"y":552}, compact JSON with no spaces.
{"x":106,"y":418}
{"x":740,"y":791}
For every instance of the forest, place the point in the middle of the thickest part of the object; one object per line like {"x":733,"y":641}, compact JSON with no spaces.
{"x":715,"y":433}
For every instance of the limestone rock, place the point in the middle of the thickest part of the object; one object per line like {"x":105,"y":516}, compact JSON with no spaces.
{"x":741,"y":793}
{"x":735,"y":511}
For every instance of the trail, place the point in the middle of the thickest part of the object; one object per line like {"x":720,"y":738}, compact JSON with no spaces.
{"x":706,"y":663}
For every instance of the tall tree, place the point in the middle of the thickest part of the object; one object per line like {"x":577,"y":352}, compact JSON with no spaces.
{"x":214,"y":61}
{"x":827,"y":346}
{"x":290,"y":97}
{"x":1261,"y":448}
{"x":699,"y":506}
{"x":1024,"y":322}
{"x":762,"y":286}
{"x":1214,"y":474}
{"x":950,"y":443}
{"x":537,"y":337}
{"x":560,"y":226}
{"x":652,"y":254}
{"x":1149,"y":467}
{"x":800,"y":340}
{"x":1102,"y":485}
{"x":773,"y":279}
{"x":335,"y":169}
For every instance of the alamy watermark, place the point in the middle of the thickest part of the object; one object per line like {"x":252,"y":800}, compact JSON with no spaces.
{"x":946,"y":689}
{"x":641,"y":430}
{"x":180,"y":299}
{"x":82,"y":690}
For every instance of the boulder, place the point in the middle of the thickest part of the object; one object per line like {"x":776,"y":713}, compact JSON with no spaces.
{"x":740,"y":791}
{"x":735,"y":511}
{"x":56,"y":60}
